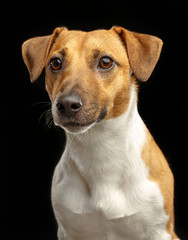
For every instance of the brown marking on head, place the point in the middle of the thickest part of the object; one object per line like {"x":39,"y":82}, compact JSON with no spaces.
{"x":81,"y":74}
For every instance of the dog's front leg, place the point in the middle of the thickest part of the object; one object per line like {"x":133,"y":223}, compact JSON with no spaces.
{"x":61,"y":234}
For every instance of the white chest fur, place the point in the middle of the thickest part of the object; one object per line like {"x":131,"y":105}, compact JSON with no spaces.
{"x":100,"y":187}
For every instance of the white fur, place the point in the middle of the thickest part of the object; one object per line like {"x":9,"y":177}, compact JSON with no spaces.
{"x":101,"y":189}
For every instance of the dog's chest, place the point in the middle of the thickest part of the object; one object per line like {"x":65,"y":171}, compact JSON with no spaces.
{"x":101,"y":217}
{"x":78,"y":214}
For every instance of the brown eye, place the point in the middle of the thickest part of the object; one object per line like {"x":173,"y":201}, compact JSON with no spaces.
{"x":55,"y":63}
{"x":105,"y":62}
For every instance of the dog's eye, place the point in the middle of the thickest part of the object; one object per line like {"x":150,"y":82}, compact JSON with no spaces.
{"x":55,"y":63}
{"x":105,"y":62}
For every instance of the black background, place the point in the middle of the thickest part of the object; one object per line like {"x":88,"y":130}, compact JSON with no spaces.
{"x":30,"y":150}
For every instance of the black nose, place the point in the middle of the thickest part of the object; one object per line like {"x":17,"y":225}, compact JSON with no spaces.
{"x":69,"y":105}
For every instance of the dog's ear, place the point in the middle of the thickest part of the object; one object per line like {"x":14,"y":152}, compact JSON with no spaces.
{"x":35,"y":52}
{"x":143,"y":51}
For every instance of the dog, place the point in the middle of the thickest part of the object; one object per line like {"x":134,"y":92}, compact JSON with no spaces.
{"x":112,"y":182}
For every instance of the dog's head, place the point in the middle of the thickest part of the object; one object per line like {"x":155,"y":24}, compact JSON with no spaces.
{"x":88,"y":74}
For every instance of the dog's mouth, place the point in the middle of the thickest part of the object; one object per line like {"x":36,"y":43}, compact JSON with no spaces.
{"x":73,"y":126}
{"x":76,"y":124}
{"x":76,"y":127}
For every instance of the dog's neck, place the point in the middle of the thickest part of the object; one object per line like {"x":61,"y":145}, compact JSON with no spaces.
{"x":114,"y":142}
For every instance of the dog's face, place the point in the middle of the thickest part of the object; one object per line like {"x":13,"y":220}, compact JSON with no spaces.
{"x":87,"y":78}
{"x":88,"y":74}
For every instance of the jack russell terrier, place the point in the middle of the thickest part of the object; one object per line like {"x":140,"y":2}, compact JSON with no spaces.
{"x":112,"y":182}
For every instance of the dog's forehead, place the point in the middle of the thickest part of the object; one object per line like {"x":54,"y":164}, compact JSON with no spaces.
{"x":80,"y":41}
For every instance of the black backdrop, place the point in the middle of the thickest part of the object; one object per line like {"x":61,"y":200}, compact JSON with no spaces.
{"x":30,"y":150}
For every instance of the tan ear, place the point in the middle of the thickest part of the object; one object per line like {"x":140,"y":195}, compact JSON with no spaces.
{"x":35,"y":51}
{"x":143,"y":51}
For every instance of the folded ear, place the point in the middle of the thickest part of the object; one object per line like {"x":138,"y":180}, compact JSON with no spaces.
{"x":143,"y":51}
{"x":35,"y":51}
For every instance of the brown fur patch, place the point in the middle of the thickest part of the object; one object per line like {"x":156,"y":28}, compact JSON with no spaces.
{"x":160,"y":173}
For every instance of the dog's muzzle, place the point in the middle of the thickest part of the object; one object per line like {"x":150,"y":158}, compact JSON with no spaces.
{"x":70,"y":113}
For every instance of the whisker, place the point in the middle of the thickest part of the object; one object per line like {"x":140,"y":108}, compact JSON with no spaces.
{"x":49,"y":118}
{"x":43,"y":115}
{"x":47,"y":114}
{"x":42,"y":103}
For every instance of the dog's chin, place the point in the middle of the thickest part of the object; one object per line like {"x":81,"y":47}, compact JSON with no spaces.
{"x":75,"y":128}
